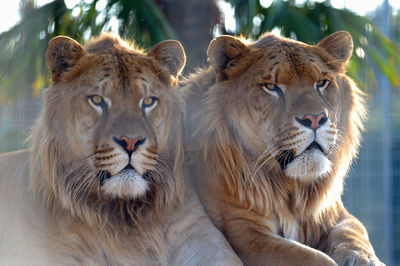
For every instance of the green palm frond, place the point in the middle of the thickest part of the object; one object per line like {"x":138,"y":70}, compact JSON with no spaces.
{"x":149,"y":25}
{"x":22,"y":57}
{"x":311,"y":22}
{"x":22,"y":63}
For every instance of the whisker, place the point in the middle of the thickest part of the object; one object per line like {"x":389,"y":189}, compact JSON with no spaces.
{"x":263,"y":158}
{"x":77,"y":177}
{"x":77,"y":164}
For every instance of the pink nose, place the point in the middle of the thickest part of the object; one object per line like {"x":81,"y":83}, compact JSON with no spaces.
{"x":131,"y":143}
{"x":313,"y":121}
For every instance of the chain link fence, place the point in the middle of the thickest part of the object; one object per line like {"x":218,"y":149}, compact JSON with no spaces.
{"x":364,"y":194}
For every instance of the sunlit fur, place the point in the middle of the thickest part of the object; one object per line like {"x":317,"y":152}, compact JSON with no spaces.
{"x":72,"y":145}
{"x":277,"y":202}
{"x":88,"y":201}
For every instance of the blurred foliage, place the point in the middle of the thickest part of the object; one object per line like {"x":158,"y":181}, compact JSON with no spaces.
{"x":22,"y":61}
{"x":22,"y":57}
{"x":311,"y":21}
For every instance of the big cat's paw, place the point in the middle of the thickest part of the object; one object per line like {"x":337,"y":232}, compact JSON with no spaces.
{"x":357,"y":258}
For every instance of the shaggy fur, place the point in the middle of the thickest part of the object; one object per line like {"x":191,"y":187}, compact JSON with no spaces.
{"x":103,"y":182}
{"x":271,"y":130}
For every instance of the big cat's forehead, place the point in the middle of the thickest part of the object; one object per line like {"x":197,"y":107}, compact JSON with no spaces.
{"x":110,"y":58}
{"x":283,"y":61}
{"x":107,"y":73}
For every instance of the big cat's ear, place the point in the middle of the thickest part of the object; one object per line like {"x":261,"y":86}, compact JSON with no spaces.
{"x":62,"y":54}
{"x":170,"y":54}
{"x":224,"y":49}
{"x":339,"y":45}
{"x":224,"y":52}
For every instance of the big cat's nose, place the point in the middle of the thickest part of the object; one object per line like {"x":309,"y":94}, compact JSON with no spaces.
{"x":129,"y":144}
{"x":313,"y":121}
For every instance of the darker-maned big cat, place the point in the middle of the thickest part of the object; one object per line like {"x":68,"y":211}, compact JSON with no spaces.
{"x":271,"y":130}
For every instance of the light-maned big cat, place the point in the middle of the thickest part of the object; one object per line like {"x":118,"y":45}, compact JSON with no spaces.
{"x":103,"y":183}
{"x":272,"y":127}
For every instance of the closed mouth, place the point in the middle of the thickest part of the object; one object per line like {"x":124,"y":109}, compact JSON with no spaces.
{"x":104,"y":174}
{"x":286,"y":157}
{"x":314,"y":145}
{"x":128,"y":167}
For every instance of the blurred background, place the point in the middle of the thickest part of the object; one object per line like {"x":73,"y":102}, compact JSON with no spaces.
{"x":372,"y":190}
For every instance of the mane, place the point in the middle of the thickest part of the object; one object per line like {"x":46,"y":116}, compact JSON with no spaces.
{"x":259,"y":183}
{"x":65,"y":183}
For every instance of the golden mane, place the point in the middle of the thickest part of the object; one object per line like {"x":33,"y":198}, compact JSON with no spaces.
{"x":53,"y":160}
{"x":236,"y":183}
{"x":220,"y":146}
{"x":103,"y":183}
{"x":65,"y":182}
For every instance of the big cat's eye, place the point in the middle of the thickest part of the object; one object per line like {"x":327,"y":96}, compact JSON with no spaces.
{"x":321,"y":85}
{"x":96,"y":99}
{"x":98,"y":102}
{"x":149,"y":103}
{"x":272,"y":89}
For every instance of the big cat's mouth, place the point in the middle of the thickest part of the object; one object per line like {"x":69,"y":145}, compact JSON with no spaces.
{"x":285,"y":158}
{"x":105,"y":175}
{"x":314,"y":145}
{"x":127,"y":183}
{"x":129,"y":167}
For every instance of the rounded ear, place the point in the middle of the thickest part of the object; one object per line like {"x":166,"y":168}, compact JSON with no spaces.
{"x":224,"y":49}
{"x":170,"y":54}
{"x":339,"y":45}
{"x":62,"y":53}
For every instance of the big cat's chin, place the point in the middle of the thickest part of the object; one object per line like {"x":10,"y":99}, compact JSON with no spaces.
{"x":310,"y":165}
{"x":126,"y":184}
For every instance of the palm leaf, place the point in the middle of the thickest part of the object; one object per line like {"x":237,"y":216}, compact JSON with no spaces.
{"x":22,"y":63}
{"x":310,"y":22}
{"x":23,"y":47}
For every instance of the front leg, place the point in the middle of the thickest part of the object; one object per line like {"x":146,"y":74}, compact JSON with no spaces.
{"x":256,"y":245}
{"x":194,"y":240}
{"x":348,"y":243}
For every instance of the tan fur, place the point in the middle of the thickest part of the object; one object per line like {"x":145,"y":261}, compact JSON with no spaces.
{"x":66,"y":201}
{"x":277,"y":202}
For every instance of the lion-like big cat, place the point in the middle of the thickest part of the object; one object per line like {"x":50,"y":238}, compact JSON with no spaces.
{"x":272,"y":127}
{"x":103,"y":183}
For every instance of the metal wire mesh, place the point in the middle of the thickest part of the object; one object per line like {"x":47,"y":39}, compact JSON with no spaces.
{"x":364,"y":189}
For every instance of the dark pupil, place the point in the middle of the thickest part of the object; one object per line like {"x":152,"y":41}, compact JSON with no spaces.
{"x":97,"y":100}
{"x":149,"y":101}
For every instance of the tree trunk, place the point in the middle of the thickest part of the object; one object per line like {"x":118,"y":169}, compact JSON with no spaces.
{"x":193,"y":21}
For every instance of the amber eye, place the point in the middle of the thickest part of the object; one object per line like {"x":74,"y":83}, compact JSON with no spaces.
{"x":321,"y":85}
{"x":99,"y":103}
{"x":96,"y":100}
{"x":148,"y":103}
